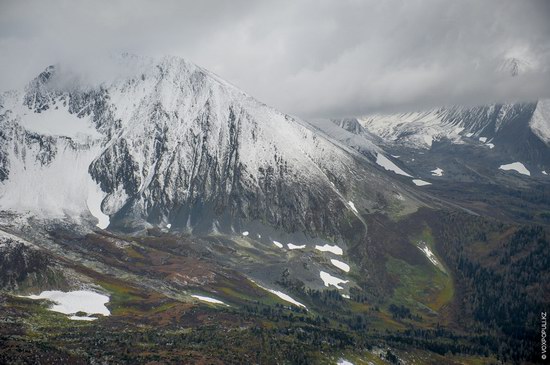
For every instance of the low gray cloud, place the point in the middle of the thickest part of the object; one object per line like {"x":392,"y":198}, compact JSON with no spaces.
{"x":309,"y":58}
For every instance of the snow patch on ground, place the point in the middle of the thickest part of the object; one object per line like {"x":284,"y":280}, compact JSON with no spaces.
{"x":328,"y":248}
{"x":78,"y":318}
{"x":469,"y":135}
{"x":387,"y":164}
{"x":490,"y":145}
{"x":341,"y":265}
{"x":483,"y":139}
{"x":278,"y":244}
{"x":419,"y":182}
{"x":207,"y":299}
{"x":292,"y":246}
{"x":544,"y":172}
{"x":285,"y":297}
{"x":516,"y":166}
{"x":332,"y":280}
{"x":245,"y":233}
{"x":72,"y":302}
{"x":169,"y":225}
{"x":344,"y":362}
{"x":437,"y":172}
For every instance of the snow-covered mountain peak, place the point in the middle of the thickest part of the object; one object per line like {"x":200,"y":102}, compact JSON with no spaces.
{"x":168,"y":141}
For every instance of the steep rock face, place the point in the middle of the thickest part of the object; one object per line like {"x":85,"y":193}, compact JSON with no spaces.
{"x":166,"y":141}
{"x":22,"y":265}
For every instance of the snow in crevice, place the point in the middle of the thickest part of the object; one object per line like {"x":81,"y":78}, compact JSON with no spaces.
{"x":352,"y":206}
{"x":437,"y":172}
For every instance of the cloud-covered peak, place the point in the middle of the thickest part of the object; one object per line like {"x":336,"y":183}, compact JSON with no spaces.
{"x":328,"y":59}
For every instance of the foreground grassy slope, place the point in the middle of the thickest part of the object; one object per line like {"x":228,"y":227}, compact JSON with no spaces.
{"x":402,"y":308}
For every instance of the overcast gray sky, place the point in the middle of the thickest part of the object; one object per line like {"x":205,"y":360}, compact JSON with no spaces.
{"x":309,"y":58}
